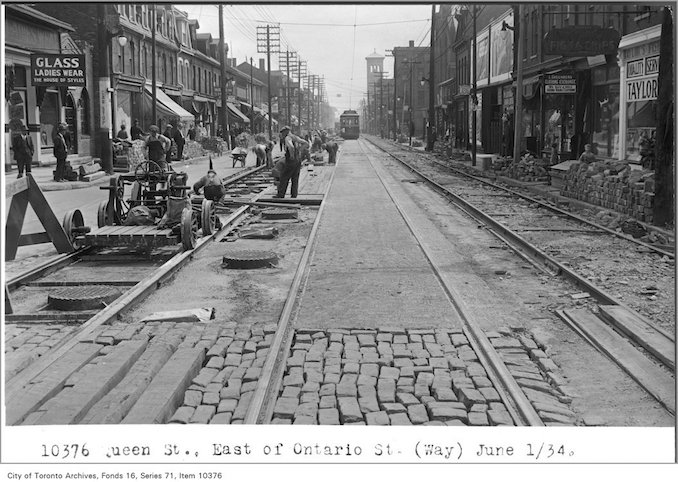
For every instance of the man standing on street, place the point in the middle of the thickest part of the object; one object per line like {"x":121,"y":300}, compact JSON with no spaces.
{"x":169,"y":135}
{"x":22,"y":145}
{"x":180,"y":140}
{"x":291,"y":146}
{"x":60,"y":152}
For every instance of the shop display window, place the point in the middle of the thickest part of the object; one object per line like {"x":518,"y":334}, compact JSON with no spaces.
{"x":49,"y":118}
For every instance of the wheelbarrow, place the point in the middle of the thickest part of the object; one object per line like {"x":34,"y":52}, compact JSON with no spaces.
{"x":239,"y":155}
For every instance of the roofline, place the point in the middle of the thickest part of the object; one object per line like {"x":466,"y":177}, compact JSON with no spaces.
{"x":37,"y":15}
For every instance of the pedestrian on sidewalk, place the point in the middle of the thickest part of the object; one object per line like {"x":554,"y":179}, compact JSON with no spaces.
{"x":291,"y":145}
{"x":22,"y":145}
{"x":136,"y":131}
{"x":180,"y":140}
{"x":60,"y":150}
{"x":168,"y":134}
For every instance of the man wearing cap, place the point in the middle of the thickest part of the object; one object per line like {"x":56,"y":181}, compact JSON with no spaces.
{"x":136,"y":131}
{"x":22,"y":145}
{"x":291,"y":145}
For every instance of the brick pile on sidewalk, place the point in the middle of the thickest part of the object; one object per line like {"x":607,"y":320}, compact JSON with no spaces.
{"x":612,"y":185}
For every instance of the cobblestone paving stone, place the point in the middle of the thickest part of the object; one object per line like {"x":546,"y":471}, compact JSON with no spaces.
{"x":526,"y":358}
{"x":389,"y":376}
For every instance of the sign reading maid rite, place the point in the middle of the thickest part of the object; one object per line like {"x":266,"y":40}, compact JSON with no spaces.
{"x":58,"y":69}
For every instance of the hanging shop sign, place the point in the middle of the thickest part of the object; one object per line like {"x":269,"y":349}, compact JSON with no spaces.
{"x":563,"y":83}
{"x":58,"y":70}
{"x":581,"y":41}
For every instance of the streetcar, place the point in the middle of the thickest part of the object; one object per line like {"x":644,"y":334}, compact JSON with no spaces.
{"x":349,"y":123}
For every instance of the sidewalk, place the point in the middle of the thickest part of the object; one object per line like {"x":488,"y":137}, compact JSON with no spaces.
{"x":43,"y":175}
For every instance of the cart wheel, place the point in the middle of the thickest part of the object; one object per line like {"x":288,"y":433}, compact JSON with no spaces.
{"x":189,"y":229}
{"x":148,"y":172}
{"x":102,"y":215}
{"x":119,"y":187}
{"x":208,"y":217}
{"x":135,"y":194}
{"x":73,"y":225}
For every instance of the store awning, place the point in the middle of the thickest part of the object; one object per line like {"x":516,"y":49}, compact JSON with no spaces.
{"x":167,"y":106}
{"x":236,"y":112}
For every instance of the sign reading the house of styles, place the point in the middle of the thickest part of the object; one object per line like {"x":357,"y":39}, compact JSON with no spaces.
{"x":58,"y":69}
{"x":581,"y":41}
{"x":563,"y":83}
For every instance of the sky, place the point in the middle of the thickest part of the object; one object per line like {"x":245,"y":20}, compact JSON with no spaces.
{"x":333,"y":39}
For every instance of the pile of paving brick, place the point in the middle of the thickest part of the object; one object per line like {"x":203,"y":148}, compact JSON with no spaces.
{"x":612,"y":185}
{"x":528,"y":169}
{"x":536,"y":374}
{"x":388,"y":376}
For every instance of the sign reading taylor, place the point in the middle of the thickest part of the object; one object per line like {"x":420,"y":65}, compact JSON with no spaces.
{"x":581,"y":41}
{"x":58,"y":69}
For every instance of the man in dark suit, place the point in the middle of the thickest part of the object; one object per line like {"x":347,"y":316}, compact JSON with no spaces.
{"x":60,"y":152}
{"x":179,"y":139}
{"x":136,"y":131}
{"x":22,"y":145}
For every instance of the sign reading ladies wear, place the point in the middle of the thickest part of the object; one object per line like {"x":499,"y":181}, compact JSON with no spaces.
{"x":58,"y":69}
{"x":560,"y":84}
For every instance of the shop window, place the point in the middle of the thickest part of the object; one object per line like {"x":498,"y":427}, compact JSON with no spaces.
{"x":641,"y":126}
{"x":83,"y":112}
{"x":49,"y":117}
{"x":605,"y":135}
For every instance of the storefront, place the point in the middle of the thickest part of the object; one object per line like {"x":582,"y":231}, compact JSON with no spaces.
{"x":639,"y":70}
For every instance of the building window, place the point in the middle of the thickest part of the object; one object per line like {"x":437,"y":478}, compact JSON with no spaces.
{"x":83,"y":112}
{"x":605,"y":135}
{"x":133,"y":63}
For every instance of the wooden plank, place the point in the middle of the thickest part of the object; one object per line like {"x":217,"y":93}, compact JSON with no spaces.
{"x":24,"y":398}
{"x":49,"y":221}
{"x":661,"y":346}
{"x":15,"y":222}
{"x":33,"y":238}
{"x":113,"y":407}
{"x":166,"y":392}
{"x":13,"y":188}
{"x":655,"y":380}
{"x":93,"y":382}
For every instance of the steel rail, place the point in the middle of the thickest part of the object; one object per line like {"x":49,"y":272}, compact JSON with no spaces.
{"x":560,"y":211}
{"x":598,"y":293}
{"x":546,"y":206}
{"x":46,"y":268}
{"x":522,"y":411}
{"x":260,"y":410}
{"x":123,"y":303}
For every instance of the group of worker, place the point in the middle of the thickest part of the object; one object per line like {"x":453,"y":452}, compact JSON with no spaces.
{"x":285,"y":171}
{"x":159,"y":146}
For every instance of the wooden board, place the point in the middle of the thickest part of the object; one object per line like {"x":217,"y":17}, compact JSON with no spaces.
{"x":656,"y":381}
{"x":661,"y":346}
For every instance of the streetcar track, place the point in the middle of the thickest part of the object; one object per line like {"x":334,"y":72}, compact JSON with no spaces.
{"x":519,"y":244}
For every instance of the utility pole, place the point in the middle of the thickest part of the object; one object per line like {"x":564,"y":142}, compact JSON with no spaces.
{"x":301,"y":73}
{"x":474,"y":91}
{"x":664,"y":172}
{"x":381,"y":104}
{"x":268,"y":41}
{"x":103,"y":120}
{"x":518,"y":96}
{"x":395,"y":97}
{"x":309,"y":112}
{"x":288,"y":113}
{"x":318,"y":100}
{"x":224,"y":98}
{"x":154,"y":107}
{"x":431,"y":84}
{"x":251,"y":98}
{"x":409,"y":106}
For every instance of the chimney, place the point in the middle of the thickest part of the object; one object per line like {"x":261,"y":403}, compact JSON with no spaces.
{"x":411,"y":43}
{"x":262,"y":65}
